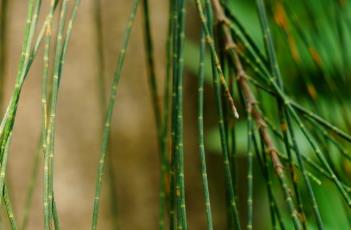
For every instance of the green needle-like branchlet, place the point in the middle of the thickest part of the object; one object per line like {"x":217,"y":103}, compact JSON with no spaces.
{"x":177,"y":115}
{"x":50,"y":133}
{"x":292,"y":170}
{"x":9,"y":209}
{"x":100,"y":82}
{"x":250,"y":170}
{"x":217,"y":75}
{"x":274,"y":67}
{"x":165,"y":168}
{"x":149,"y":50}
{"x":45,"y":109}
{"x":108,"y":117}
{"x":304,"y":173}
{"x":9,"y":117}
{"x":200,"y":123}
{"x":264,"y":165}
{"x":174,"y":31}
{"x":62,"y":41}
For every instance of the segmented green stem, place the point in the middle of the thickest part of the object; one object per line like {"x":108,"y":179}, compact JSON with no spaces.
{"x":5,"y":150}
{"x":100,"y":80}
{"x":45,"y":121}
{"x":200,"y":122}
{"x":250,"y":171}
{"x":156,"y":108}
{"x":172,"y":201}
{"x":60,"y":53}
{"x":9,"y":117}
{"x":164,"y":151}
{"x":264,"y":165}
{"x":250,"y":138}
{"x":217,"y":76}
{"x":304,"y":173}
{"x":50,"y":133}
{"x":233,"y":139}
{"x":165,"y":169}
{"x":178,"y":117}
{"x":269,"y":42}
{"x":9,"y":209}
{"x":292,"y":171}
{"x":108,"y":117}
{"x":3,"y":185}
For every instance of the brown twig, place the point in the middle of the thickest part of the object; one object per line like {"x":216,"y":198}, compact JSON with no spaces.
{"x":252,"y":106}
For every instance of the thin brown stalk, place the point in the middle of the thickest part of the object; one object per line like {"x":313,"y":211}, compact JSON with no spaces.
{"x":254,"y":109}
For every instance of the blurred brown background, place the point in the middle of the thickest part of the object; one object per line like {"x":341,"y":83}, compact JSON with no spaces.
{"x":78,"y":138}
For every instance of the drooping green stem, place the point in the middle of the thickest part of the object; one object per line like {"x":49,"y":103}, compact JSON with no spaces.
{"x":264,"y":165}
{"x":178,"y":146}
{"x":165,"y":142}
{"x":9,"y":209}
{"x":50,"y":133}
{"x":218,"y":78}
{"x":174,"y":32}
{"x":62,"y":41}
{"x":250,"y":172}
{"x":200,"y":123}
{"x":45,"y":120}
{"x":274,"y":67}
{"x":304,"y":173}
{"x":101,"y":89}
{"x":292,"y":169}
{"x":8,"y":120}
{"x":159,"y":117}
{"x":108,"y":116}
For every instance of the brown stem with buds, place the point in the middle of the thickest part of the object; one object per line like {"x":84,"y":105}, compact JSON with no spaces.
{"x":253,"y":108}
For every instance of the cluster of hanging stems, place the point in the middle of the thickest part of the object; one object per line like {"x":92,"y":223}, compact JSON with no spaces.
{"x":233,"y":56}
{"x":231,"y":65}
